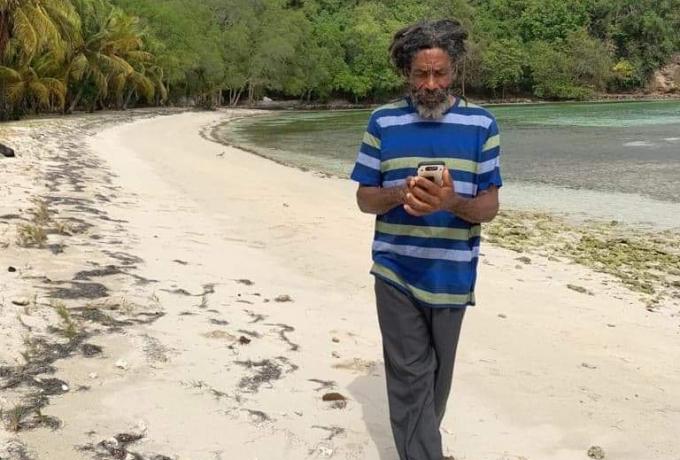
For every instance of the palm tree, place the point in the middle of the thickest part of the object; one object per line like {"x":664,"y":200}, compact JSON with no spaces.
{"x":28,"y":27}
{"x":109,"y":56}
{"x":30,"y":87}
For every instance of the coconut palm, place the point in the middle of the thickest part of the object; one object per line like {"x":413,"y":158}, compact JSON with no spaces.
{"x":108,"y":57}
{"x":31,"y":88}
{"x":28,"y":27}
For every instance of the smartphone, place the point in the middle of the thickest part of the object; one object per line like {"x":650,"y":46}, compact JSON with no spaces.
{"x":432,"y":170}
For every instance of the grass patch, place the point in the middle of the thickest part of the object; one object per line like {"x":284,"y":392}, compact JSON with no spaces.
{"x":14,"y":417}
{"x":31,"y":235}
{"x":40,"y":213}
{"x":70,"y":328}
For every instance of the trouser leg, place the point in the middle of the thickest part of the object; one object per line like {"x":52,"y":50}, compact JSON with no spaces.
{"x":419,"y":347}
{"x":445,"y":327}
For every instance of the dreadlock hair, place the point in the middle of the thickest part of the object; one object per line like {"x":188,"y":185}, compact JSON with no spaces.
{"x":447,"y":34}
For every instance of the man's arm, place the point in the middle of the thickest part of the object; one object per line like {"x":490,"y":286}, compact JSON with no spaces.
{"x":425,"y":197}
{"x":379,"y":200}
{"x":482,"y":208}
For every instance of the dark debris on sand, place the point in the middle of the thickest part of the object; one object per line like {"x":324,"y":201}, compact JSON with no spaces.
{"x":86,"y":275}
{"x":118,"y":448}
{"x":80,"y":290}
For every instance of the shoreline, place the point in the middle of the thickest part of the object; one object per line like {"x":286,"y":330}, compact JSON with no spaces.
{"x":520,"y":101}
{"x":294,"y":105}
{"x":552,"y":234}
{"x":211,"y":306}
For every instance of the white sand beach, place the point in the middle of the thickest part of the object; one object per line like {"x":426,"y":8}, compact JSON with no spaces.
{"x":221,"y":296}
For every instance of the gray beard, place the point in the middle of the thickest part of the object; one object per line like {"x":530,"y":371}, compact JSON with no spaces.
{"x":431,"y":105}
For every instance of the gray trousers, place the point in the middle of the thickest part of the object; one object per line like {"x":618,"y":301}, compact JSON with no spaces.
{"x":419,"y":347}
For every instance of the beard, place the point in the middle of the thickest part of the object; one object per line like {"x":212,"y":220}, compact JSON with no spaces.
{"x":431,"y":103}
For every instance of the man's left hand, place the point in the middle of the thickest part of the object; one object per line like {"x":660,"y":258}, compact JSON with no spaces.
{"x":425,"y":197}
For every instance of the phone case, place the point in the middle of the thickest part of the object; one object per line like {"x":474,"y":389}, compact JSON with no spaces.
{"x":432,"y":171}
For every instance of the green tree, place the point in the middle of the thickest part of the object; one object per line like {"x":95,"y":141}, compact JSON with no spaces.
{"x":28,"y":27}
{"x":551,"y":20}
{"x":590,"y":60}
{"x":502,"y":64}
{"x":107,"y":62}
{"x":644,"y":34}
{"x":30,"y":89}
{"x":552,"y":73}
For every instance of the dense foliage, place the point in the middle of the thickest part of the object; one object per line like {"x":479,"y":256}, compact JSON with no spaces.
{"x":63,"y":54}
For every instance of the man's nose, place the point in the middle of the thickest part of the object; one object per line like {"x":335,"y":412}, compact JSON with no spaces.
{"x":430,"y":81}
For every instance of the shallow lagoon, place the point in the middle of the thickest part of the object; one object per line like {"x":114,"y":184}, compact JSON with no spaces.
{"x":587,"y":160}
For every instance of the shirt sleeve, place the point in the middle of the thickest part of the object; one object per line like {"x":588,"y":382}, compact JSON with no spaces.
{"x":488,"y":166}
{"x":367,"y":167}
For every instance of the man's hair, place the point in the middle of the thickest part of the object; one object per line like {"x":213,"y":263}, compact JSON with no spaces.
{"x":447,"y":34}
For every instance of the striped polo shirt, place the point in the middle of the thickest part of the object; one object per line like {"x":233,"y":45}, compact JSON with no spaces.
{"x":432,"y":258}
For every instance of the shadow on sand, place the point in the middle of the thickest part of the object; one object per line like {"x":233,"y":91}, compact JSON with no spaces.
{"x":369,"y":391}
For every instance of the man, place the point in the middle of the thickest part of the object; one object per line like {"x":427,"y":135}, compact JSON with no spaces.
{"x":426,"y":243}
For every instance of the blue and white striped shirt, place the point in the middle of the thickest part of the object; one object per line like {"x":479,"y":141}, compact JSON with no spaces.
{"x":433,"y":258}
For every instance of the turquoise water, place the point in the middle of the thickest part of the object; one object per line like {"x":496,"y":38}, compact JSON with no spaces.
{"x":623,"y":157}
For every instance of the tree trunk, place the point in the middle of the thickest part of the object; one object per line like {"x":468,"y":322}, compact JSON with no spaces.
{"x":237,"y":97}
{"x":75,"y":101}
{"x":127,"y":99}
{"x":4,"y":31}
{"x":251,"y":92}
{"x":4,"y":110}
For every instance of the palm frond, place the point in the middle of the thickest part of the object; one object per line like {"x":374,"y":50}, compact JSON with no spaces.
{"x":15,"y":92}
{"x":142,"y":85}
{"x":9,"y":75}
{"x":78,"y":67}
{"x":25,"y":33}
{"x":116,"y":64}
{"x":57,"y":90}
{"x":117,"y":84}
{"x":100,"y":81}
{"x":39,"y":92}
{"x":139,"y":56}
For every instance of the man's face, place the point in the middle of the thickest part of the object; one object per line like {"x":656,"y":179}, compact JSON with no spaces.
{"x":429,"y":81}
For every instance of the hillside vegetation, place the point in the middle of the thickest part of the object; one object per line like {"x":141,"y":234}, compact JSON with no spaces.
{"x":59,"y":55}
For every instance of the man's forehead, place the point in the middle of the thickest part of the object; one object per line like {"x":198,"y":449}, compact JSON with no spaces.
{"x":431,"y":57}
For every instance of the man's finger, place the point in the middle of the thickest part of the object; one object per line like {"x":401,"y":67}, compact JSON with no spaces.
{"x":417,"y":204}
{"x":426,"y":184}
{"x":413,"y":212}
{"x":446,"y":178}
{"x":423,"y":196}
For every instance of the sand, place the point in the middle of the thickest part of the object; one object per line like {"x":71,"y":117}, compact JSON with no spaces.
{"x":221,"y":296}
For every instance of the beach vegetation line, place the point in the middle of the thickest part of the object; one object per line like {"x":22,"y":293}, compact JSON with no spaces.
{"x":64,"y":55}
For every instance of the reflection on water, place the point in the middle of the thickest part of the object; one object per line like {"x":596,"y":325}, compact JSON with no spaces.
{"x":626,"y":155}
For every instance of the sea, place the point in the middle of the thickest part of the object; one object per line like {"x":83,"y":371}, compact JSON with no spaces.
{"x":615,"y":161}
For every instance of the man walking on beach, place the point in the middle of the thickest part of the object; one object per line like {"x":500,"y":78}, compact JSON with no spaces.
{"x":426,"y":243}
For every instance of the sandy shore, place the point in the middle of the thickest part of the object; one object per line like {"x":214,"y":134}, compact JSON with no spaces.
{"x":173,"y":298}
